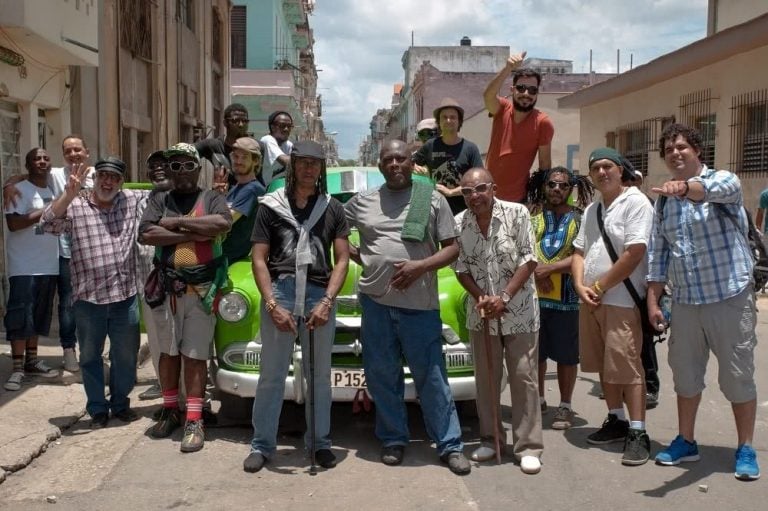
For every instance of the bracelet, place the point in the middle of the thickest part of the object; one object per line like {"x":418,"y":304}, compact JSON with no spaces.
{"x":687,"y":188}
{"x":270,"y":305}
{"x":597,"y":287}
{"x":327,"y":301}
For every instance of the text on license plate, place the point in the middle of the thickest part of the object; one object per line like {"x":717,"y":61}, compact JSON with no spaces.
{"x":348,"y":378}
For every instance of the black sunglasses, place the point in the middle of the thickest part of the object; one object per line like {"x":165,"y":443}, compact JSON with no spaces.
{"x":554,"y":184}
{"x":532,"y":89}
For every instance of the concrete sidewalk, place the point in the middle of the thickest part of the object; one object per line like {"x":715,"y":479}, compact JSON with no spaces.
{"x":35,"y":416}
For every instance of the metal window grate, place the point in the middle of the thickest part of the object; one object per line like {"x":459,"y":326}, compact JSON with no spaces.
{"x":637,"y":140}
{"x":238,"y":31}
{"x":696,"y":111}
{"x":136,"y":27}
{"x":749,"y":132}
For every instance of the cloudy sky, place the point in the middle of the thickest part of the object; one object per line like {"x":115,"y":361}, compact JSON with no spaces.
{"x":359,"y":43}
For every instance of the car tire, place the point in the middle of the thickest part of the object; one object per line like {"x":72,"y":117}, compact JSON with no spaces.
{"x":467,"y":409}
{"x":235,"y":408}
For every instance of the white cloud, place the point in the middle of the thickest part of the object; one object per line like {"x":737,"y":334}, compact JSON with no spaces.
{"x":359,"y":43}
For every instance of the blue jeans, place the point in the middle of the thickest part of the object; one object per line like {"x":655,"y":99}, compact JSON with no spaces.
{"x":67,"y":336}
{"x":388,"y":333}
{"x":119,"y":320}
{"x":276,"y":352}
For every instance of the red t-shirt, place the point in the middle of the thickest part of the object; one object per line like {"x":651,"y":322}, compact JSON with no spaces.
{"x":513,"y":148}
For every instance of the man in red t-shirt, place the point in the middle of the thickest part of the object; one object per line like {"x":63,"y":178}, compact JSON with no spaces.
{"x":519,"y":130}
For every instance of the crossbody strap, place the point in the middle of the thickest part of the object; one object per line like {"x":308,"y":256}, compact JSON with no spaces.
{"x":614,"y":257}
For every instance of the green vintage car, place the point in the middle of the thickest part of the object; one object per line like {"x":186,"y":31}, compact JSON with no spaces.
{"x":238,"y":348}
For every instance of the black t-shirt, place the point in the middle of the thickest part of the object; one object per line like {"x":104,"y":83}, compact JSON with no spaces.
{"x":282,"y":238}
{"x":447,"y":163}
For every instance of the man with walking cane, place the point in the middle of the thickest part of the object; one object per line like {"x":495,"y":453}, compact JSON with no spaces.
{"x":495,"y":266}
{"x":294,"y":230}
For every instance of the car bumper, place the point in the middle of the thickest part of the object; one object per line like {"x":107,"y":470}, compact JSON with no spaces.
{"x":244,"y":385}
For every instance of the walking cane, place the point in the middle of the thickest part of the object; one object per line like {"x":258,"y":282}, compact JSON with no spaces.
{"x":491,"y":385}
{"x":313,"y":466}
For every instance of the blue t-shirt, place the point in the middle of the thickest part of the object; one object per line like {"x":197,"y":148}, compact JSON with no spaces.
{"x":243,"y":199}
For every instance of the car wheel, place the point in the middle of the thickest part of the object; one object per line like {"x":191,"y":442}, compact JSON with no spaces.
{"x":467,"y":409}
{"x":235,"y":408}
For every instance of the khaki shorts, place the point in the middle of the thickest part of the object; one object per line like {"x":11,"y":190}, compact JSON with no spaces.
{"x":189,"y":331}
{"x":610,"y":342}
{"x":727,"y":329}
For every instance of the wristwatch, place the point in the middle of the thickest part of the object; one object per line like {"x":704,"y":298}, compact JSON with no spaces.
{"x":505,"y":297}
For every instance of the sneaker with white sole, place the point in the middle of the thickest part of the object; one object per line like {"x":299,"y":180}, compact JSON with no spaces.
{"x":679,"y":451}
{"x":530,"y":465}
{"x":40,"y":368}
{"x":14,"y":381}
{"x":563,"y":418}
{"x":70,"y":360}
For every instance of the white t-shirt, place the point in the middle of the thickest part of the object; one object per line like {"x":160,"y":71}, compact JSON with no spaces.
{"x":30,"y":251}
{"x":273,"y":150}
{"x":628,"y":221}
{"x":57,"y":181}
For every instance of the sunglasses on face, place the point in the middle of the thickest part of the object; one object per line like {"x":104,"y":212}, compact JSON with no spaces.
{"x":186,"y":166}
{"x":282,"y":126}
{"x":532,"y":89}
{"x":481,"y":188}
{"x":554,"y":184}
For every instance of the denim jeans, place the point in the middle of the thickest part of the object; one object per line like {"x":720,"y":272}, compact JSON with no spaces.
{"x":388,"y":333}
{"x":276,"y":354}
{"x":119,"y":320}
{"x":67,"y":336}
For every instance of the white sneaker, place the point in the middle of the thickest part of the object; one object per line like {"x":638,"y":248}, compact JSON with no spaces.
{"x":14,"y":381}
{"x":530,"y":465}
{"x":483,"y":453}
{"x":70,"y":360}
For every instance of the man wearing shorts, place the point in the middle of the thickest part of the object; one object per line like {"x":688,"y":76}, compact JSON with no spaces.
{"x":699,"y":244}
{"x":188,"y":223}
{"x":610,"y":328}
{"x":555,"y":228}
{"x":33,"y":266}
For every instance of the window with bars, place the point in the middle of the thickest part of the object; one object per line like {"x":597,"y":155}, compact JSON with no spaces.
{"x":749,"y":132}
{"x":237,"y":35}
{"x":136,"y":27}
{"x":637,"y":140}
{"x":697,"y":112}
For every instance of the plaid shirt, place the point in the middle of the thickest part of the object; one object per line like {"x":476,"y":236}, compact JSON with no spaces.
{"x":697,"y":247}
{"x":103,"y":246}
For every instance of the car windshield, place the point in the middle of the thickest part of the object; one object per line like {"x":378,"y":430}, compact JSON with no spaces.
{"x":344,"y":182}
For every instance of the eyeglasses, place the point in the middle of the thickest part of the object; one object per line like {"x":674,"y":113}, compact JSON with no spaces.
{"x":238,"y":120}
{"x":481,"y":188}
{"x":532,"y":89}
{"x":186,"y":166}
{"x":282,"y":126}
{"x":555,"y":184}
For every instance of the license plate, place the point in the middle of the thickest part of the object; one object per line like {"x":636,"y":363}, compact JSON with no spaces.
{"x":348,"y":378}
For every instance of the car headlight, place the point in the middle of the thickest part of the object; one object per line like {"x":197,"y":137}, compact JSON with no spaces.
{"x":233,"y":307}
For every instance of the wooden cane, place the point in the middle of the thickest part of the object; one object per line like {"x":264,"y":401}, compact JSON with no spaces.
{"x":491,"y":385}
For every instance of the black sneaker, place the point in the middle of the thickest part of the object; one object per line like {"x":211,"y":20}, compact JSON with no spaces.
{"x":392,"y":454}
{"x":153,"y":392}
{"x":169,"y":420}
{"x":651,"y":400}
{"x":637,"y":448}
{"x":99,"y":420}
{"x":457,"y":462}
{"x":325,"y":458}
{"x":613,"y":430}
{"x":254,"y":462}
{"x":126,"y":415}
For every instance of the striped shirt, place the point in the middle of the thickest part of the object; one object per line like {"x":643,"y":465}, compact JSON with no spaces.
{"x":103,"y":243}
{"x":696,"y":246}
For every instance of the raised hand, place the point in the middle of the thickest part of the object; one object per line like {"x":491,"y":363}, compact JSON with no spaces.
{"x":514,"y":61}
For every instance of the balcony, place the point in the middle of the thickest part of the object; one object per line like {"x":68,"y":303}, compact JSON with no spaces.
{"x":67,"y":33}
{"x":295,"y":11}
{"x":264,"y":91}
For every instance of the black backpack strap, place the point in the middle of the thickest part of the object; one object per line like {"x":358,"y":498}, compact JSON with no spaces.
{"x":614,"y":257}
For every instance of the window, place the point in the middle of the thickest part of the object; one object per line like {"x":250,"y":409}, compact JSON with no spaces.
{"x":185,"y":10}
{"x":749,"y":132}
{"x":637,"y":140}
{"x":136,"y":27}
{"x":238,"y":36}
{"x":696,"y":111}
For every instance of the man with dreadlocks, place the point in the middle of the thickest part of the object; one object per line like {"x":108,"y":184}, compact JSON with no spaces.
{"x":555,"y":227}
{"x":292,"y":237}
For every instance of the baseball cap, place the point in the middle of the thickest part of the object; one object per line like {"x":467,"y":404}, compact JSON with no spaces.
{"x":182,"y":149}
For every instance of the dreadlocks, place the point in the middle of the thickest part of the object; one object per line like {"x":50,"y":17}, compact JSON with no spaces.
{"x":538,"y":180}
{"x":290,"y":179}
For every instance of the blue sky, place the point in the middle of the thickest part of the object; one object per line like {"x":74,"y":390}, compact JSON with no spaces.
{"x":359,"y":43}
